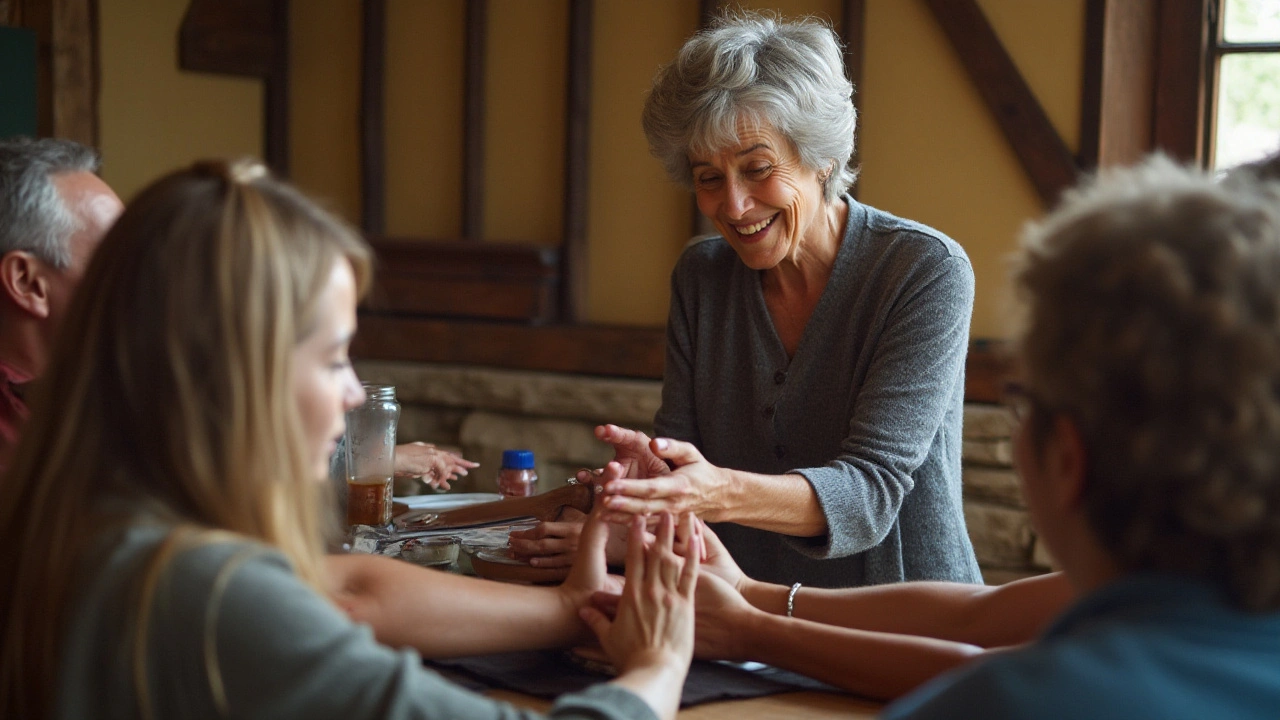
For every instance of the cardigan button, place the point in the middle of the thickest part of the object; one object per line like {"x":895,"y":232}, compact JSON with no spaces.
{"x":779,"y":378}
{"x":768,"y":413}
{"x":780,"y":451}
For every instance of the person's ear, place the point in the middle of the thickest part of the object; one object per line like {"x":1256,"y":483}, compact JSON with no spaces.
{"x":1067,"y":461}
{"x":23,"y":279}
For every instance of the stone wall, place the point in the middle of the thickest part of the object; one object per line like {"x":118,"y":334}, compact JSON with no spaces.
{"x":1006,"y":544}
{"x":483,"y":411}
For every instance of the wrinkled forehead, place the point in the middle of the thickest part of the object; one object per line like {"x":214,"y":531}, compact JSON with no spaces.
{"x":743,"y":130}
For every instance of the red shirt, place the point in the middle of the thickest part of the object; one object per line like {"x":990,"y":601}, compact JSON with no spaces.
{"x":13,"y":412}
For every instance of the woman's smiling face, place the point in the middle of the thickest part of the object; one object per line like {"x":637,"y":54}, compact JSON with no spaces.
{"x":762,"y":199}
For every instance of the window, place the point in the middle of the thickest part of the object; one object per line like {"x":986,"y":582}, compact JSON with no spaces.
{"x":1243,"y":88}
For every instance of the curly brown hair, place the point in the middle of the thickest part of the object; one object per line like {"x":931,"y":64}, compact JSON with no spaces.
{"x":1153,"y":321}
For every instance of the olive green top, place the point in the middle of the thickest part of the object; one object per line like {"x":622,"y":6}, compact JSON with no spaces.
{"x":232,"y":620}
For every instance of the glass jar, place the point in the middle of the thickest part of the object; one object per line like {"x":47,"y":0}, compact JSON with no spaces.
{"x":370,"y":449}
{"x":517,"y":478}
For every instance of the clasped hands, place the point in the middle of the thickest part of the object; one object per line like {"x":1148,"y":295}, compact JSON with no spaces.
{"x":646,"y":477}
{"x":675,"y":560}
{"x":648,"y":619}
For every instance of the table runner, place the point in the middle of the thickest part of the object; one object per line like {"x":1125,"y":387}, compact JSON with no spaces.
{"x":551,"y":673}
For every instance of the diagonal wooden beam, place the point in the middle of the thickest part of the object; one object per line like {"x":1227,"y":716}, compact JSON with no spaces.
{"x":1043,"y":155}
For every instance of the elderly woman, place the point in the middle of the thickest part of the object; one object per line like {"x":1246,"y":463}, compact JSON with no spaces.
{"x":815,"y":350}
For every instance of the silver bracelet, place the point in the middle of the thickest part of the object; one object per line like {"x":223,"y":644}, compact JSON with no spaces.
{"x":791,"y":599}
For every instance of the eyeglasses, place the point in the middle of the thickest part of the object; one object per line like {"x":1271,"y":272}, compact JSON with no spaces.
{"x":1018,"y":399}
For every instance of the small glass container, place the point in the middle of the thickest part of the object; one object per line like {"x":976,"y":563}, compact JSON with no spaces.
{"x":517,"y":478}
{"x":370,"y":448}
{"x":439,"y":551}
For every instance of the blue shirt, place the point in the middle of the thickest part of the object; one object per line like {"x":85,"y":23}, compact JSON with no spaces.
{"x":1142,"y":647}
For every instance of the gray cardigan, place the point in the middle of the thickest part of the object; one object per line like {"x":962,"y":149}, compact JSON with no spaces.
{"x":281,"y":650}
{"x":869,"y":410}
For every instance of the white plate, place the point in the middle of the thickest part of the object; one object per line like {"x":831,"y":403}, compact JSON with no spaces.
{"x":446,"y":501}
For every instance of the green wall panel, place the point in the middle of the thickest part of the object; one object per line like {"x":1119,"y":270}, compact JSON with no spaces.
{"x":17,"y":82}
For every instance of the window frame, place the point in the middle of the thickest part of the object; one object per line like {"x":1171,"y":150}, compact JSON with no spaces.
{"x":1218,"y":48}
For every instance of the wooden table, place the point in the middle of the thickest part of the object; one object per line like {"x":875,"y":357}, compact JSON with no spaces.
{"x":797,"y":705}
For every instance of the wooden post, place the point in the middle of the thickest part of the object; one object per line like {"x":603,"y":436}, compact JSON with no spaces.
{"x":373,"y":178}
{"x":574,"y":257}
{"x":473,"y":121}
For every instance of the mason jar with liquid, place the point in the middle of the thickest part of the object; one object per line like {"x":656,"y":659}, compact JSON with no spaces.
{"x":370,"y":448}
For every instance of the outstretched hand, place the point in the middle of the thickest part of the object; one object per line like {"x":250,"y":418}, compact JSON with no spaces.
{"x":631,"y":452}
{"x":717,"y":560}
{"x":435,"y":466}
{"x":654,"y":624}
{"x":694,"y":485}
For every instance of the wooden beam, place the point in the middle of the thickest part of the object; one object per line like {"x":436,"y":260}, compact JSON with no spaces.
{"x":853,"y":21}
{"x":473,"y":121}
{"x":1126,"y":72}
{"x":66,"y":65}
{"x":245,"y":38}
{"x":1095,"y":14}
{"x":230,"y":37}
{"x":585,"y":349}
{"x":498,"y":281}
{"x":988,"y":366}
{"x":38,"y":16}
{"x":636,"y":352}
{"x":75,"y":70}
{"x":275,"y":110}
{"x":373,"y":177}
{"x":1182,"y":63}
{"x":1043,"y":155}
{"x":574,"y":260}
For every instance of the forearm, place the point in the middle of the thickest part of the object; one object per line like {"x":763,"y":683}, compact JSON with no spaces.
{"x":875,"y":664}
{"x":981,"y":615}
{"x":444,"y":615}
{"x":783,"y":504}
{"x":659,"y":684}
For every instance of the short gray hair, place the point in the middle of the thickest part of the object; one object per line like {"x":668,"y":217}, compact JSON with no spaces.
{"x":788,"y":75}
{"x":33,"y":216}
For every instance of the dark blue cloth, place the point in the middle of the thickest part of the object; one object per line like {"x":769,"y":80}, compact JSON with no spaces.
{"x":1142,"y":647}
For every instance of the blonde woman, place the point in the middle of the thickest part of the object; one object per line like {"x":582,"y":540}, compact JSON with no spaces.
{"x":162,"y":527}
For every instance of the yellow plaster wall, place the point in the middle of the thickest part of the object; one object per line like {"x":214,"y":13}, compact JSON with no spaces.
{"x":524,"y":120}
{"x":324,"y":96}
{"x":155,"y":117}
{"x":638,"y":220}
{"x":424,"y":117}
{"x":930,"y":150}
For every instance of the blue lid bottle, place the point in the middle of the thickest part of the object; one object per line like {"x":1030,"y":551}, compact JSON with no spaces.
{"x":517,"y":459}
